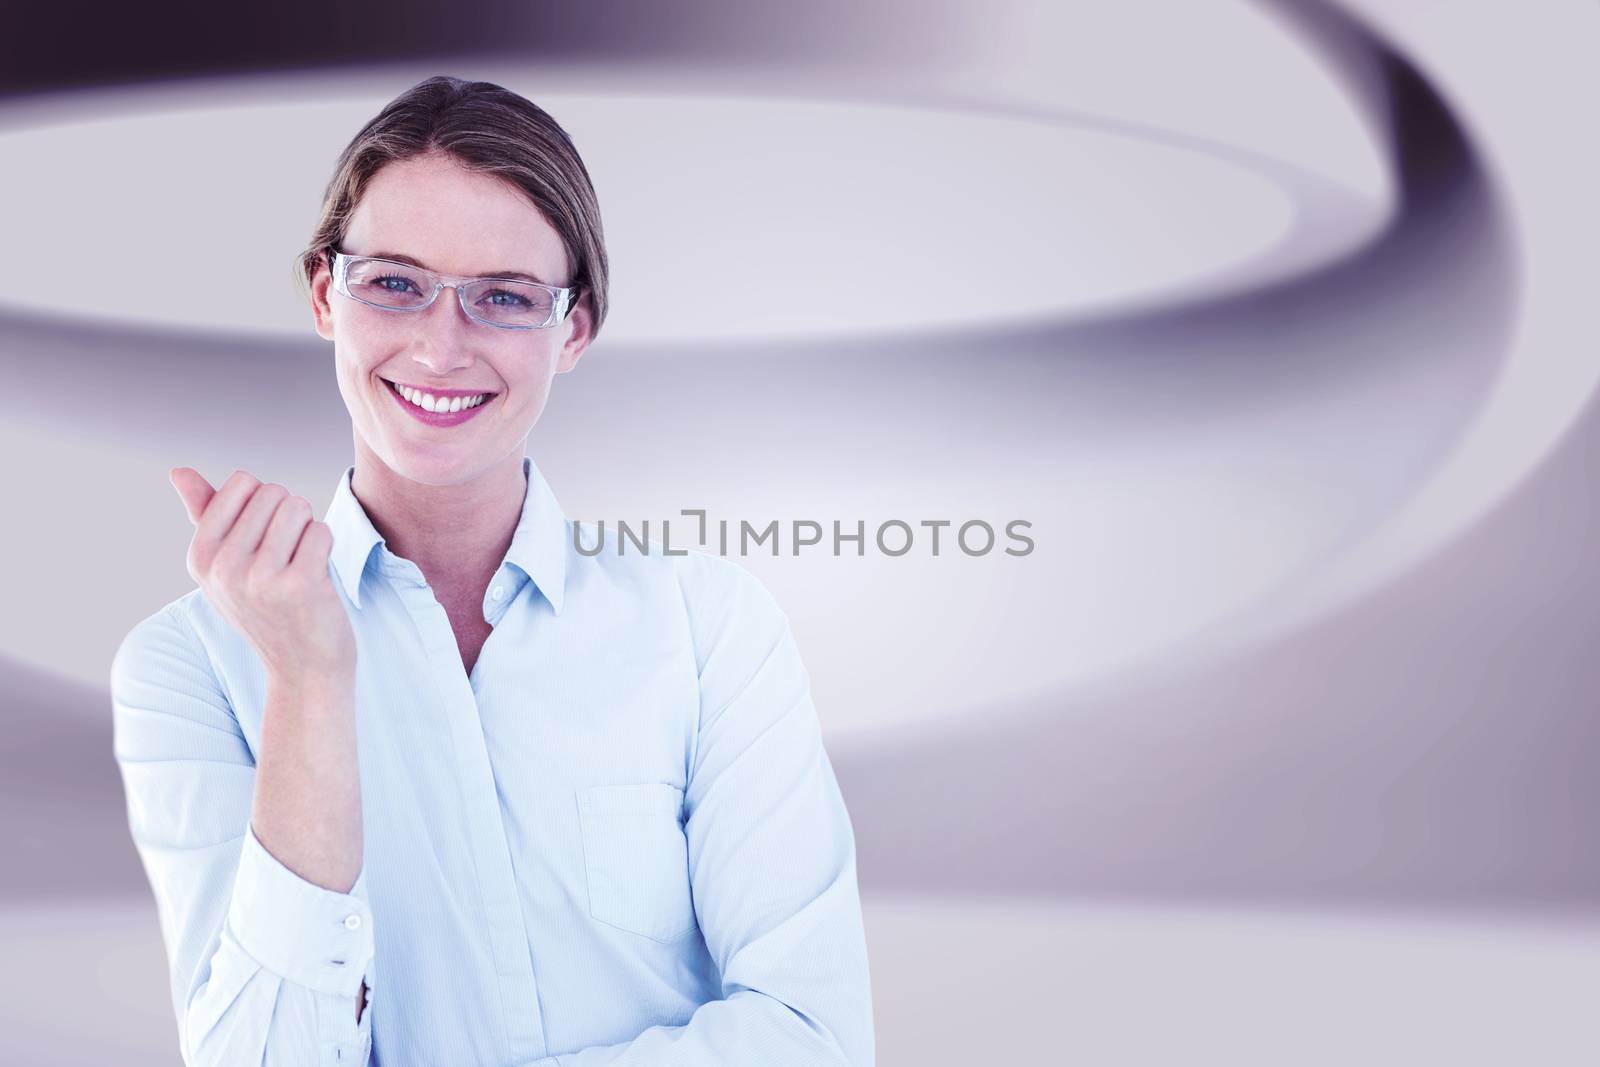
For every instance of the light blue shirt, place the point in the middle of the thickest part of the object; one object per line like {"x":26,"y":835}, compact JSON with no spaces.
{"x":619,"y":841}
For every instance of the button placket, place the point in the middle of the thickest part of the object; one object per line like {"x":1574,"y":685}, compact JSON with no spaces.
{"x":497,"y":884}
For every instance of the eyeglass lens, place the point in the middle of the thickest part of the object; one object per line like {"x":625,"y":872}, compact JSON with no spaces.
{"x":398,"y":286}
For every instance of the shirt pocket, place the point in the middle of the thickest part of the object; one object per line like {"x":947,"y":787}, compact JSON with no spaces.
{"x":636,"y":858}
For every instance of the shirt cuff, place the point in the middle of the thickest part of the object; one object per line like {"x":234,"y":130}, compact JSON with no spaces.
{"x":299,"y":931}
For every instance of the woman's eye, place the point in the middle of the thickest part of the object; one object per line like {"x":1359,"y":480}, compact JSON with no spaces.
{"x":392,"y":278}
{"x":517,"y":298}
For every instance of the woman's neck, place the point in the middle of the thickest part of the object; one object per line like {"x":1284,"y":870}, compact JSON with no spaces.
{"x":457,"y":535}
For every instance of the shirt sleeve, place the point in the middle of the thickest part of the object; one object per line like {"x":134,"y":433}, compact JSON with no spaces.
{"x":264,"y":966}
{"x":772,"y":865}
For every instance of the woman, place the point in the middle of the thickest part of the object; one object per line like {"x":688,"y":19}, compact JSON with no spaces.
{"x":422,"y":780}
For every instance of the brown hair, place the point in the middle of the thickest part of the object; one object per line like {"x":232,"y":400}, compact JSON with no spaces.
{"x":489,"y":129}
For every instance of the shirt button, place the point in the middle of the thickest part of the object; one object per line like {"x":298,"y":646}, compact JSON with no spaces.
{"x":352,"y":922}
{"x":498,"y":592}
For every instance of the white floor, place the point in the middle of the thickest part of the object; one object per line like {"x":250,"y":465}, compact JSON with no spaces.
{"x":1025,"y":983}
{"x":1102,"y":986}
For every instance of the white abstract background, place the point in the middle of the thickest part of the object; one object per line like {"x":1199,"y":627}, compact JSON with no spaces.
{"x":1273,"y":319}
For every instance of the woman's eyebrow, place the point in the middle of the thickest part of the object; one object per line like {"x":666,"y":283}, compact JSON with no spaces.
{"x":400,"y":257}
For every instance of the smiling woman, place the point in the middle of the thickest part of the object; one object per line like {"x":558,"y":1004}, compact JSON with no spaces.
{"x":387,"y":325}
{"x":421,"y":783}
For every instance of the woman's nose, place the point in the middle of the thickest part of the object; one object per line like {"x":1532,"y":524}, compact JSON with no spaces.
{"x":446,"y":333}
{"x":451,"y":306}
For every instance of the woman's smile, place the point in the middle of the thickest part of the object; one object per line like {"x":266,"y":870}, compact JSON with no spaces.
{"x":446,"y":408}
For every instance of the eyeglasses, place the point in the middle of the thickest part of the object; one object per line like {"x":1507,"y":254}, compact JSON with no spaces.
{"x":504,"y":303}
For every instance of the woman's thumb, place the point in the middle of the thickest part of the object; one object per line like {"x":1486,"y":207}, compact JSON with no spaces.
{"x":193,"y":490}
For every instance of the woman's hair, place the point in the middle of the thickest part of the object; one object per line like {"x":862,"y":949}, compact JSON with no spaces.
{"x":486,"y":128}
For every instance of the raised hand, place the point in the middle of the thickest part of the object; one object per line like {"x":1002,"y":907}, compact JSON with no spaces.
{"x":262,"y":560}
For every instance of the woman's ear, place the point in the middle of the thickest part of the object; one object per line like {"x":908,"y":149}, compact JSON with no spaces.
{"x":321,"y":304}
{"x":581,"y":319}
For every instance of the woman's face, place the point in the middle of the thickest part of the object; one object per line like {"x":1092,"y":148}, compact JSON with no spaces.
{"x":453,"y":221}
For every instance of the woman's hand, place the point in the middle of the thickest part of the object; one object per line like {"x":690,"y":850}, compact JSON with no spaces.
{"x":263,"y":562}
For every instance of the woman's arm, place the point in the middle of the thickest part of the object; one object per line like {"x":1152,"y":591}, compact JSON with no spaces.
{"x":771,"y":860}
{"x":266,"y":966}
{"x":307,"y":806}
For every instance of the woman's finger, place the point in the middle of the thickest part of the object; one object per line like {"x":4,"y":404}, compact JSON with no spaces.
{"x":223,"y":510}
{"x":316,"y":544}
{"x":283,"y":532}
{"x":244,"y":536}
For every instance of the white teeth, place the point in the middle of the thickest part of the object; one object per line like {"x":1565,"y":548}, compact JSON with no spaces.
{"x":429,"y":402}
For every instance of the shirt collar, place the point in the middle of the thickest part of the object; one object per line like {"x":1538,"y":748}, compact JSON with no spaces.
{"x":538,"y":545}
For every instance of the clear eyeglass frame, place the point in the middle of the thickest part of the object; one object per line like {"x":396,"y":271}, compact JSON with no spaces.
{"x":561,"y":303}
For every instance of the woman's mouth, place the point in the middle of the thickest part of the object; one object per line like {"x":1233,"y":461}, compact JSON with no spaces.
{"x":436,"y":409}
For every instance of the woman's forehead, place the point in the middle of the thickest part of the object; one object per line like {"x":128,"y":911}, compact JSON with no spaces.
{"x":455,"y":221}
